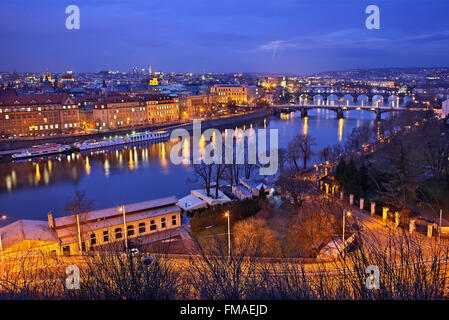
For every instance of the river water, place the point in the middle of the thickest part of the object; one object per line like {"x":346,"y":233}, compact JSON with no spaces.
{"x":133,"y":173}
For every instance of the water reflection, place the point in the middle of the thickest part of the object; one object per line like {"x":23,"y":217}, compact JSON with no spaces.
{"x":340,"y":129}
{"x":73,"y":167}
{"x":142,"y":171}
{"x":87,"y":166}
{"x":305,"y":126}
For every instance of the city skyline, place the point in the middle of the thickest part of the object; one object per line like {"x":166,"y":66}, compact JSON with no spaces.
{"x":298,"y":38}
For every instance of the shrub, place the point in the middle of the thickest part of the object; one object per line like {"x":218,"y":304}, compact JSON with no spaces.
{"x":215,"y":216}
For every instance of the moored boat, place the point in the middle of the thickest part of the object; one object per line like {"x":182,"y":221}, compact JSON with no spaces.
{"x":42,"y":150}
{"x":133,"y":138}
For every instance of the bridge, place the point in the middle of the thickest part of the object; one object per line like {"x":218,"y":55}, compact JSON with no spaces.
{"x":352,"y":97}
{"x":340,"y":109}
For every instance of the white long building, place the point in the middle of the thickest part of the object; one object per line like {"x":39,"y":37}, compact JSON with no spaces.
{"x":69,"y":234}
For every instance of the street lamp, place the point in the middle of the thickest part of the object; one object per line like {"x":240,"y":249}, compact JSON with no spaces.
{"x":345,"y":213}
{"x":122,"y":210}
{"x":229,"y":233}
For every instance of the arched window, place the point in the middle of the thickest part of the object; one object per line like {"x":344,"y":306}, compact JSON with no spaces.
{"x":130,"y":230}
{"x":118,"y":233}
{"x":93,"y":239}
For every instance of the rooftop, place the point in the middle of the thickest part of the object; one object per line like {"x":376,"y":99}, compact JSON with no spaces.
{"x":102,"y":214}
{"x":22,"y":230}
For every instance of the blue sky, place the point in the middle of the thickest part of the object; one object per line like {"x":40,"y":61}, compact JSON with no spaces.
{"x":297,"y":36}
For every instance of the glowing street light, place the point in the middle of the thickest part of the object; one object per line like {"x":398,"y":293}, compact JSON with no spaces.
{"x":122,"y":210}
{"x":348,"y":214}
{"x":229,"y":233}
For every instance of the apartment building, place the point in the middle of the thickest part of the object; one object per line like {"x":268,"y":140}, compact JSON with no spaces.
{"x":161,"y":108}
{"x":196,"y":105}
{"x":37,"y":114}
{"x":119,"y":111}
{"x":230,"y":93}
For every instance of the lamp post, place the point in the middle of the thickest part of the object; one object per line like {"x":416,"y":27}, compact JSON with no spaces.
{"x":348,"y":213}
{"x":441,"y":218}
{"x":229,"y":233}
{"x":122,"y":210}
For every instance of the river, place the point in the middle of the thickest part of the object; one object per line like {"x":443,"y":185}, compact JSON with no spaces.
{"x":127,"y":174}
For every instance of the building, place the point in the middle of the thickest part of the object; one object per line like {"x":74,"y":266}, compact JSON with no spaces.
{"x":25,"y":237}
{"x":241,"y":192}
{"x":196,"y":105}
{"x":161,"y":108}
{"x":119,"y":111}
{"x":91,"y":230}
{"x":445,"y":108}
{"x":31,"y":115}
{"x":153,"y":82}
{"x":86,"y":111}
{"x":253,"y":93}
{"x":211,"y":200}
{"x":230,"y":93}
{"x":255,"y":185}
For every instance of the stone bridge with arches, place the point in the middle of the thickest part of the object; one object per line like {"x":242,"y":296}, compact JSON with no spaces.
{"x":341,"y":109}
{"x":393,"y":99}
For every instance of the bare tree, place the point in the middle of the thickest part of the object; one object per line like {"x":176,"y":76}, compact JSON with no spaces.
{"x":325,"y":154}
{"x":297,"y":187}
{"x":301,"y":147}
{"x":79,"y":206}
{"x":218,"y":171}
{"x":203,"y":172}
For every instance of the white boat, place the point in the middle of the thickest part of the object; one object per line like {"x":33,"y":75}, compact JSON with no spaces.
{"x":42,"y":150}
{"x":133,"y":138}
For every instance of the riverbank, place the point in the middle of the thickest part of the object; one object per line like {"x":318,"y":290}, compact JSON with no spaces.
{"x":8,"y":147}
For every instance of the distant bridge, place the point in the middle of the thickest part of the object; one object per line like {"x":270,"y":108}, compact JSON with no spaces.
{"x":340,"y":109}
{"x":329,"y":95}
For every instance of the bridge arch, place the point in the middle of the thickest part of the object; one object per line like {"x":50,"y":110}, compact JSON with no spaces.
{"x":347,"y":99}
{"x":393,"y":101}
{"x":378,"y":100}
{"x":363,"y":99}
{"x":318,"y":99}
{"x":406,"y":99}
{"x":332,"y":100}
{"x":303,"y":98}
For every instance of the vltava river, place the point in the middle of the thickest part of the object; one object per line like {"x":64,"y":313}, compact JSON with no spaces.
{"x":127,"y":174}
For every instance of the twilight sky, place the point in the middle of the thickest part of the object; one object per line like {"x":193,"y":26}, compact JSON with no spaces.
{"x":297,"y":36}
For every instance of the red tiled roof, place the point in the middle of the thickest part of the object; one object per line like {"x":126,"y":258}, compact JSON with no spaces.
{"x":35,"y":99}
